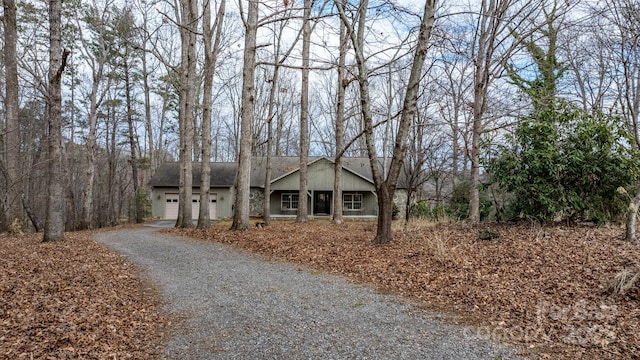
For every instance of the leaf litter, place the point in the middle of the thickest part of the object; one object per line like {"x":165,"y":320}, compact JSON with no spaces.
{"x":74,"y":299}
{"x":543,"y":288}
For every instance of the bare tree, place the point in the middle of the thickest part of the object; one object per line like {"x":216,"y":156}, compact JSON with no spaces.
{"x":426,"y":144}
{"x":342,"y":84}
{"x":188,"y":31}
{"x":625,"y":54}
{"x":126,"y":57}
{"x":96,"y":54}
{"x":455,"y":84}
{"x":304,"y":115}
{"x":54,"y":223}
{"x":14,"y":214}
{"x":273,"y":110}
{"x":241,"y":204}
{"x":211,"y":52}
{"x":147,"y":70}
{"x":490,"y":51}
{"x":386,"y":186}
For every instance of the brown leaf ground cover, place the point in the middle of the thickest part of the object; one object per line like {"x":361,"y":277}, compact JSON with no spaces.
{"x":74,"y":299}
{"x":540,"y":287}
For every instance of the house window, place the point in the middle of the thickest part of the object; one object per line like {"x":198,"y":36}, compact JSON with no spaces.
{"x":289,"y":201}
{"x":352,"y":201}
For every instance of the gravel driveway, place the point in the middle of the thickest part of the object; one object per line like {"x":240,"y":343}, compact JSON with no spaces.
{"x":236,"y":305}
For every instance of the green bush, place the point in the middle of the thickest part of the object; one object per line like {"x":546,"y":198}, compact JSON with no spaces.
{"x":395,"y":212}
{"x":566,"y":164}
{"x":141,"y":206}
{"x":421,"y":210}
{"x":460,"y":201}
{"x":488,"y":234}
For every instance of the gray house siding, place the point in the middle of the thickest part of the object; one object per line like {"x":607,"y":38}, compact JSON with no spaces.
{"x":321,"y":178}
{"x":359,"y":197}
{"x":320,"y":183}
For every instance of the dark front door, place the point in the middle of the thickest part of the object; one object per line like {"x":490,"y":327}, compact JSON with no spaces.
{"x":322,"y":203}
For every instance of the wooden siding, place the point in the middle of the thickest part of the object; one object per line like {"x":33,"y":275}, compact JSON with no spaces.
{"x":321,"y":178}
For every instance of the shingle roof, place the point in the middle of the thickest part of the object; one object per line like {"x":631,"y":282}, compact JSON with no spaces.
{"x":168,"y":174}
{"x":223,"y":174}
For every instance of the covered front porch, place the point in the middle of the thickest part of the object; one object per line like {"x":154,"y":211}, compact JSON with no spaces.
{"x":284,"y":203}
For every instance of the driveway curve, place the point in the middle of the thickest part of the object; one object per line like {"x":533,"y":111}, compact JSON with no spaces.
{"x":236,"y":305}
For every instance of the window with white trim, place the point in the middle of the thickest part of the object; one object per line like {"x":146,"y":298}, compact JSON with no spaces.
{"x":289,"y":201}
{"x":352,"y":201}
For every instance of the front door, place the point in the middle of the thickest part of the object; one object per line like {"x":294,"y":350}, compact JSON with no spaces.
{"x":322,"y":203}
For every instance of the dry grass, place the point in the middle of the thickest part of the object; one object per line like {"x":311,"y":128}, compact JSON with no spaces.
{"x":416,"y":224}
{"x":624,"y":281}
{"x":440,"y":246}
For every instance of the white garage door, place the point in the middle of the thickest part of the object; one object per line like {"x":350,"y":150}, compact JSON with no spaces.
{"x":213,"y":206}
{"x":195,"y":203}
{"x":171,"y":206}
{"x":195,"y":206}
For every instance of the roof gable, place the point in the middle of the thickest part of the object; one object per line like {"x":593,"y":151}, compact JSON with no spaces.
{"x":348,"y":167}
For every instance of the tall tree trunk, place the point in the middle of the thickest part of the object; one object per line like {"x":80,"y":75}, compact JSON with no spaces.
{"x":210,"y":59}
{"x":474,"y":191}
{"x":87,"y":191}
{"x":340,"y":99}
{"x":492,"y":16}
{"x":632,"y":216}
{"x":385,"y":215}
{"x":54,"y":223}
{"x":455,"y":153}
{"x":479,"y":94}
{"x":241,"y":208}
{"x":14,"y":213}
{"x":112,"y":216}
{"x":163,"y":120}
{"x":303,"y":207}
{"x":266,"y":206}
{"x":187,"y":87}
{"x":204,"y":217}
{"x":385,"y":187}
{"x":278,"y":136}
{"x":147,"y":112}
{"x":137,"y":209}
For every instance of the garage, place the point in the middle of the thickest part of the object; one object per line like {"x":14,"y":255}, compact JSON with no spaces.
{"x":171,"y":206}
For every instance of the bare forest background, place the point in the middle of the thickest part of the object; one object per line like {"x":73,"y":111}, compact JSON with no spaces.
{"x":480,"y":104}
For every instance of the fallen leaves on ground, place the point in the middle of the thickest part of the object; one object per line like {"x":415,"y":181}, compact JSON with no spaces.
{"x":540,"y":287}
{"x":74,"y":299}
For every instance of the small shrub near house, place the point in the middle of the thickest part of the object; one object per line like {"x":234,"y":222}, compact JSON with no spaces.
{"x":488,"y":234}
{"x":457,"y":208}
{"x":141,"y":206}
{"x":421,"y":210}
{"x":460,"y":201}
